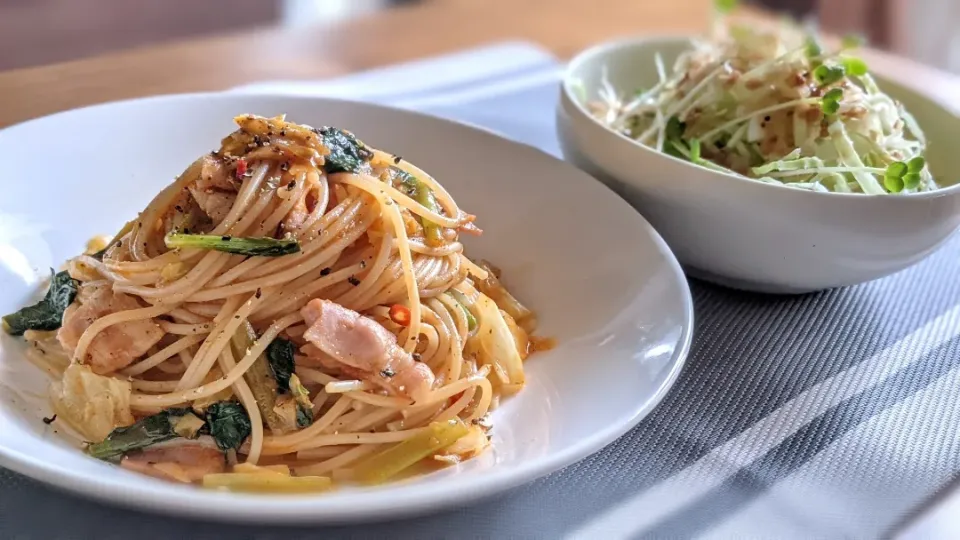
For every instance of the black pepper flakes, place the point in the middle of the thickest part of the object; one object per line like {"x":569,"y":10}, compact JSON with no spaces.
{"x":178,"y":208}
{"x":363,"y":264}
{"x":397,"y":159}
{"x":291,"y":185}
{"x":766,"y":118}
{"x":225,"y":238}
{"x":285,"y":166}
{"x":258,"y":293}
{"x":353,"y":281}
{"x":50,"y":420}
{"x":417,"y":357}
{"x":325,"y":272}
{"x":387,"y":373}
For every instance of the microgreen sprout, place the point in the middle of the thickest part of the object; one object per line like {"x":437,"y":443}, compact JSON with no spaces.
{"x":831,"y":101}
{"x":912,"y":179}
{"x":812,"y":47}
{"x":673,"y":138}
{"x":695,"y":150}
{"x":900,"y":175}
{"x":826,"y":75}
{"x":916,"y":164}
{"x":854,"y":65}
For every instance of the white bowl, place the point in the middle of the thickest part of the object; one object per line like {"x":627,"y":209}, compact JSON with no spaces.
{"x":746,"y":234}
{"x":620,"y":309}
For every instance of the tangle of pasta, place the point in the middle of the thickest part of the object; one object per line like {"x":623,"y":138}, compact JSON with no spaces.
{"x":295,"y":307}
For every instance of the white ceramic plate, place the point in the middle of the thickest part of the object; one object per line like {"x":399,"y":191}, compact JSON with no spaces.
{"x":603,"y":282}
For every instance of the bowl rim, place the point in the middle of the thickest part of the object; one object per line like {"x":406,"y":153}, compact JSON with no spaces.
{"x":599,"y":51}
{"x":426,"y":498}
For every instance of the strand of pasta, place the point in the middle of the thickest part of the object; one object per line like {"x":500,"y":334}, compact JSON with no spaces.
{"x":455,"y":345}
{"x":140,"y":401}
{"x":248,"y":191}
{"x":101,"y":324}
{"x":211,"y":262}
{"x":280,"y":444}
{"x":377,"y":266}
{"x":337,"y":462}
{"x":442,"y":195}
{"x":181,"y":329}
{"x":316,"y":260}
{"x":446,"y":392}
{"x":249,"y":402}
{"x":160,"y":356}
{"x":159,"y":203}
{"x":288,"y":300}
{"x":219,"y":338}
{"x":292,"y":196}
{"x":323,"y":200}
{"x":359,"y":438}
{"x":331,"y":223}
{"x":375,"y":187}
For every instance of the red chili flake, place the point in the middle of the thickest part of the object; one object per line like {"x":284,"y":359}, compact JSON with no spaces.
{"x":241,"y":168}
{"x":400,"y":314}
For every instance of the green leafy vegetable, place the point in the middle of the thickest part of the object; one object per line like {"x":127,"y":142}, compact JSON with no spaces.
{"x":253,"y":247}
{"x":756,"y":158}
{"x":812,"y":47}
{"x":127,"y":227}
{"x":896,"y":169}
{"x":347,"y":154}
{"x":854,"y":65}
{"x":262,"y":383}
{"x":272,"y":374}
{"x":900,"y":175}
{"x":911,"y":180}
{"x":831,"y":101}
{"x":304,"y":417}
{"x":893,"y":178}
{"x":47,"y":314}
{"x":828,"y":74}
{"x":916,"y":164}
{"x":163,"y":426}
{"x":894,"y":184}
{"x":282,"y":364}
{"x":462,"y":302}
{"x":228,"y":423}
{"x":388,"y":463}
{"x":695,"y":151}
{"x":304,"y":405}
{"x":432,"y":233}
{"x":673,"y":138}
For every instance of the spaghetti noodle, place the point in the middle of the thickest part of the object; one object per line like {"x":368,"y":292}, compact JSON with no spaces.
{"x":295,"y":307}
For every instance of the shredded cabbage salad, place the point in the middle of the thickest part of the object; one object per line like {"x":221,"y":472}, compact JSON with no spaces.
{"x":778,"y":107}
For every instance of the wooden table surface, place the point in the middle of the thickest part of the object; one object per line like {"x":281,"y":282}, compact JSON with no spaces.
{"x":433,"y":27}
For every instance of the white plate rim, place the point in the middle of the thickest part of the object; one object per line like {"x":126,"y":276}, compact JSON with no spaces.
{"x":378,"y":505}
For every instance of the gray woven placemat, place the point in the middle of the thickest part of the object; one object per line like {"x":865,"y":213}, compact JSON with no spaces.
{"x":823,"y":415}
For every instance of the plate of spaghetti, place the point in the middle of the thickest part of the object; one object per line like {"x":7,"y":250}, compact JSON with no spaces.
{"x":283,"y":309}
